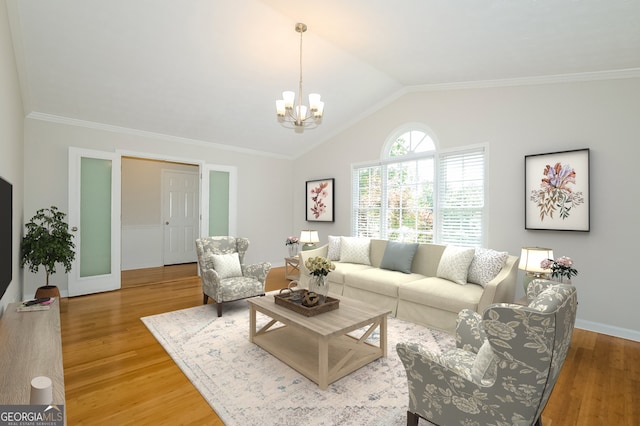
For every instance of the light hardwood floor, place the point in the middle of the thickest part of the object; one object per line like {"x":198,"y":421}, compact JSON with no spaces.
{"x":116,"y":373}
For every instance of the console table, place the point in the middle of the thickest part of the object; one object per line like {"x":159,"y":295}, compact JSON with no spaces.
{"x":31,"y":346}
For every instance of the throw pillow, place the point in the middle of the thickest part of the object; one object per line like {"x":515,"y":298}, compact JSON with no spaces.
{"x":354,"y":250}
{"x":227,"y":265}
{"x":454,"y":264}
{"x":333,"y":253}
{"x":398,"y":256}
{"x":485,"y":265}
{"x":485,"y":364}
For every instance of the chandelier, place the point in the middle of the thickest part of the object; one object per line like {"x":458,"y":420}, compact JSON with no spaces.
{"x":291,"y":112}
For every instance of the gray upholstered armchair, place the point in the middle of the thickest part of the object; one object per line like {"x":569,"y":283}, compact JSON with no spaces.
{"x":224,"y":275}
{"x":504,"y":366}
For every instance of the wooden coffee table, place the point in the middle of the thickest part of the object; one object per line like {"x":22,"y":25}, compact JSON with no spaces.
{"x":318,"y":347}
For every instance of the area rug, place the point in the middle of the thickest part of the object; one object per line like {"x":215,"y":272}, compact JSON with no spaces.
{"x":246,"y":385}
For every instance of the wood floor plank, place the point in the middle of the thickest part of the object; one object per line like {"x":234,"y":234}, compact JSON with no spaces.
{"x":117,"y":373}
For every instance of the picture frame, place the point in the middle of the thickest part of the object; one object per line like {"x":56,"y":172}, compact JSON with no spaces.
{"x":557,"y":196}
{"x":319,"y":200}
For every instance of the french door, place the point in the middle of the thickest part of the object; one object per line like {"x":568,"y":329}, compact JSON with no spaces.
{"x":94,"y":220}
{"x":95,"y":208}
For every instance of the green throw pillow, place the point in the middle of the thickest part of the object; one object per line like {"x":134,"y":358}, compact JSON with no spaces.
{"x":398,"y":256}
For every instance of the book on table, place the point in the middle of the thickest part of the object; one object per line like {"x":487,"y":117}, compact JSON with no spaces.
{"x":42,"y":304}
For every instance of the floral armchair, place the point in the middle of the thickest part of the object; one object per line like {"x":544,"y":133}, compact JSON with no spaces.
{"x":224,"y":275}
{"x":505,"y":364}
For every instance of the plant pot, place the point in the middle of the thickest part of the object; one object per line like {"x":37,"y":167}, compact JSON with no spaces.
{"x":47,"y":291}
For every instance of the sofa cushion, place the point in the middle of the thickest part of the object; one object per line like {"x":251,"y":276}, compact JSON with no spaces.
{"x":354,"y":250}
{"x":442,"y":294}
{"x":398,"y":256}
{"x":381,"y":281}
{"x":454,"y":264}
{"x":486,"y":264}
{"x":344,"y":269}
{"x":427,"y":258}
{"x":333,"y":252}
{"x":227,"y":265}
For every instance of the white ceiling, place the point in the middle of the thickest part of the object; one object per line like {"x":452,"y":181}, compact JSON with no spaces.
{"x":210,"y":70}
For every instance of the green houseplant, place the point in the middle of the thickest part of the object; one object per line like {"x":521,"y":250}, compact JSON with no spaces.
{"x":46,"y":243}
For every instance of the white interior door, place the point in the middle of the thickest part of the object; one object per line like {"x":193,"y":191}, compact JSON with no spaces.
{"x":180,"y":209}
{"x":94,"y":219}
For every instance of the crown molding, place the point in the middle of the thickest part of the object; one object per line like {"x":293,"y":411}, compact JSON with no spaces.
{"x":528,"y":81}
{"x":145,"y":134}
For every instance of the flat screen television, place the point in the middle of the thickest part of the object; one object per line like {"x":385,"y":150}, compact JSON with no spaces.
{"x":6,"y":227}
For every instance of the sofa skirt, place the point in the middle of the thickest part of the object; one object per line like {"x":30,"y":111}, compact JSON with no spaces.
{"x":427,"y":315}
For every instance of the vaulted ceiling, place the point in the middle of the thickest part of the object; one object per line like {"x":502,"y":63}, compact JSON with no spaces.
{"x":210,"y":70}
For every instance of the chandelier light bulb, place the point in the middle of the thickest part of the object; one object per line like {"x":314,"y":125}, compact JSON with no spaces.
{"x":290,"y":110}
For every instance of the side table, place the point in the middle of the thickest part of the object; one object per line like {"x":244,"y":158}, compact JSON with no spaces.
{"x":292,"y":267}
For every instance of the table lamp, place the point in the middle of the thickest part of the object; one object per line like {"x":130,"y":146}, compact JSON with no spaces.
{"x":309,"y":238}
{"x":530,"y":259}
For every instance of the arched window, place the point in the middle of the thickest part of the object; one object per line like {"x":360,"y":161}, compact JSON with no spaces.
{"x":409,"y":143}
{"x":417,"y":194}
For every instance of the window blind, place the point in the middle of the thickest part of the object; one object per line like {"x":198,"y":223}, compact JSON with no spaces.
{"x":461,"y":208}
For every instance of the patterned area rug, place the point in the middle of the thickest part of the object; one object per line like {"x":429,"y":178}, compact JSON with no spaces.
{"x":245,"y":385}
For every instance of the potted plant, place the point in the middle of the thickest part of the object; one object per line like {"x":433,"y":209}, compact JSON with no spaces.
{"x":46,"y":243}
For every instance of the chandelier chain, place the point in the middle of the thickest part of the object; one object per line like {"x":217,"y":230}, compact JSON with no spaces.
{"x":301,"y":30}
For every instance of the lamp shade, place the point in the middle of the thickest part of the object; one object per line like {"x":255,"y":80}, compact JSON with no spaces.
{"x":288,"y":97}
{"x":531,"y":257}
{"x":309,"y":236}
{"x":314,"y":100}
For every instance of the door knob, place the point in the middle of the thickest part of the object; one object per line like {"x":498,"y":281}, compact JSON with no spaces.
{"x":74,"y":229}
{"x":166,"y":223}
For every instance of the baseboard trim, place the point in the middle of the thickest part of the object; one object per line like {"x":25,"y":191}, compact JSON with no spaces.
{"x":609,"y":330}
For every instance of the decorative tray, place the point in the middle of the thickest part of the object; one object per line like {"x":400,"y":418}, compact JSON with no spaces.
{"x":292,"y":299}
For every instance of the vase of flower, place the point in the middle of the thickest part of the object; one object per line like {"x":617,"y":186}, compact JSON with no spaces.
{"x":564,"y":280}
{"x":561,"y":269}
{"x":292,"y":245}
{"x":319,"y":268}
{"x":319,"y":285}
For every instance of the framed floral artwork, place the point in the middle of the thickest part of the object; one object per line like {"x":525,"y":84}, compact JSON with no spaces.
{"x":319,"y":200}
{"x":557,"y":191}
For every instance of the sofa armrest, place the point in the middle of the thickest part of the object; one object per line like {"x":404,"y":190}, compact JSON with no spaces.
{"x":259,"y":271}
{"x":210,"y":282}
{"x":537,"y":286}
{"x":470,"y":334}
{"x":437,"y":382}
{"x":502,"y":288}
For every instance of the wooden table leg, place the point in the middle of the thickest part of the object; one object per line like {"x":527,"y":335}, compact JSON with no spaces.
{"x":383,"y":336}
{"x":323,"y":363}
{"x":252,"y":322}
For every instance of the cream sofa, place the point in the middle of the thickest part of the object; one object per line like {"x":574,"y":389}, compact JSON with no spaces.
{"x":419,"y":294}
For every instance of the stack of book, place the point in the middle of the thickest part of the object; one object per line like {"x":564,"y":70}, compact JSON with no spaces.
{"x":41,"y":304}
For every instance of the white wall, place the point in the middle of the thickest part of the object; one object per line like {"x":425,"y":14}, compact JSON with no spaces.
{"x":264,"y":183}
{"x":11,"y":154}
{"x":516,"y":121}
{"x":142,"y":228}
